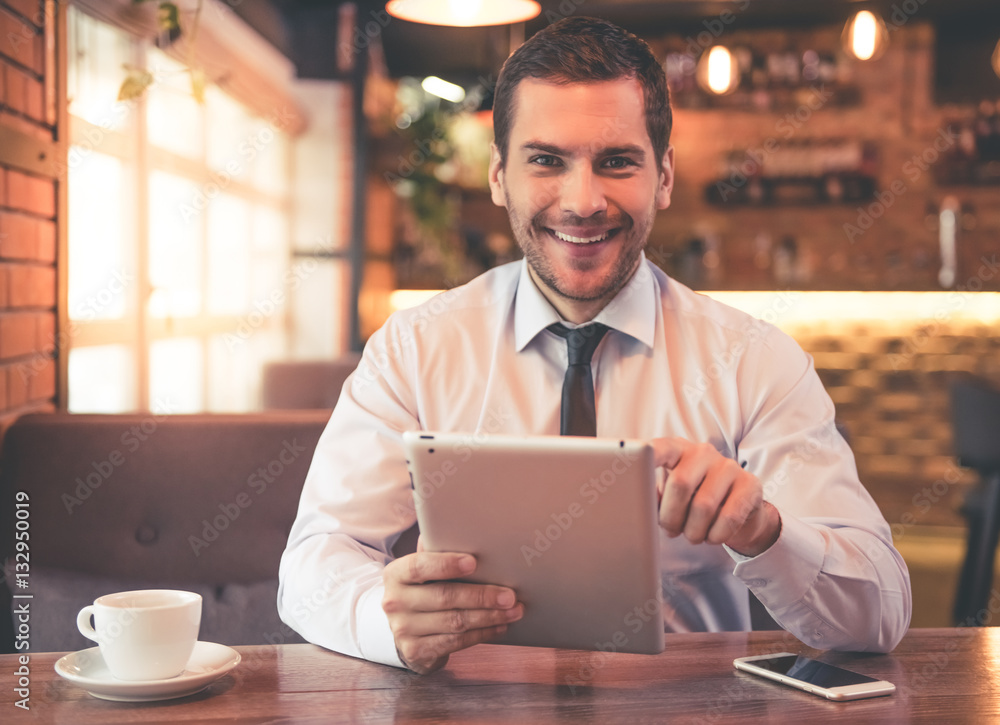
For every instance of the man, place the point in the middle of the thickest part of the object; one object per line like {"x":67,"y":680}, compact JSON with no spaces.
{"x":761,"y":492}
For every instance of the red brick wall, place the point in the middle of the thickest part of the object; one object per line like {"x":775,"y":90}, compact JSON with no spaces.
{"x":28,"y":215}
{"x":897,"y":114}
{"x":889,"y":381}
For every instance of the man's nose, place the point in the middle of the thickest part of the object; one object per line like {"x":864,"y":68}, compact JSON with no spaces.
{"x":582,"y":192}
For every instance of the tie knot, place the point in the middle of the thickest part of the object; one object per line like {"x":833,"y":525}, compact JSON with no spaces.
{"x":580,"y":341}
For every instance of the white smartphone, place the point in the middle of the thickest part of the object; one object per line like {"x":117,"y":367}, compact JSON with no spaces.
{"x":819,"y":678}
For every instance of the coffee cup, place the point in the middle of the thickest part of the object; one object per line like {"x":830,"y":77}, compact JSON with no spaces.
{"x":147,"y":634}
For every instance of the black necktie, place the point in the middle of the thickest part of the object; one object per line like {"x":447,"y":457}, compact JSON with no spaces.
{"x":579,"y":416}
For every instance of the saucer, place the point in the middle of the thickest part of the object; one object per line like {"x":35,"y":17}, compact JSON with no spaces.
{"x":208,"y":662}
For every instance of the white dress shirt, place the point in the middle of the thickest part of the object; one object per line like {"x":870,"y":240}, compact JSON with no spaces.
{"x":478,"y":359}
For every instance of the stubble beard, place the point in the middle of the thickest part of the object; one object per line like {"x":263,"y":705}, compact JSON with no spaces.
{"x":632,"y":237}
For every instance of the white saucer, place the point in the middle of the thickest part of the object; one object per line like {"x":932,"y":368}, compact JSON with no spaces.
{"x":208,"y":663}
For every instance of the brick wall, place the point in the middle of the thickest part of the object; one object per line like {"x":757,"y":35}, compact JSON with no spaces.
{"x":890,"y":386}
{"x":28,"y":212}
{"x":897,"y":115}
{"x":891,"y":389}
{"x":889,"y":381}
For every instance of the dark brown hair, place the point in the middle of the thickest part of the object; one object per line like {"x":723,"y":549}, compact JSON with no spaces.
{"x":583,"y":50}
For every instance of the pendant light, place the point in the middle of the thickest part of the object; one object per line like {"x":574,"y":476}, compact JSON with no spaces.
{"x":464,"y":13}
{"x":865,"y":35}
{"x":718,"y":71}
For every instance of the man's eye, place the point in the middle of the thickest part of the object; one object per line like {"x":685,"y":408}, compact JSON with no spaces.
{"x":544,"y":160}
{"x":619,"y":162}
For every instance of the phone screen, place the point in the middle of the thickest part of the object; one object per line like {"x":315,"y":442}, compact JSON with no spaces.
{"x":812,"y":671}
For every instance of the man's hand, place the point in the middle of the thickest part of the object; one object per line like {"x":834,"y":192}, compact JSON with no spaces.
{"x":711,"y":498}
{"x":431,"y":617}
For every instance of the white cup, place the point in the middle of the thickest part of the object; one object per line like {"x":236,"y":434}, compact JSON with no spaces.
{"x":148,"y":634}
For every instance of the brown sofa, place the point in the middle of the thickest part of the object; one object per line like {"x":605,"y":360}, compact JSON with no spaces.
{"x":301,"y":384}
{"x":116,"y":502}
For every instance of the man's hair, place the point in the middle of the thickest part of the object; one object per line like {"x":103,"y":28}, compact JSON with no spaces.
{"x":584,"y":50}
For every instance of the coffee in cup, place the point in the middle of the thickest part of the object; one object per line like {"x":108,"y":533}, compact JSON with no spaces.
{"x":147,"y":634}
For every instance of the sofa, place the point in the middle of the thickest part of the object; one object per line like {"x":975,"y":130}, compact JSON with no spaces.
{"x":117,"y":502}
{"x":302,"y":384}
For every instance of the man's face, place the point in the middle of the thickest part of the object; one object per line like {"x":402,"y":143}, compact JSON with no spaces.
{"x":581,"y":186}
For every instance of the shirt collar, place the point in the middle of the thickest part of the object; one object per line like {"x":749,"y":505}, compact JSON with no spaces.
{"x":632,"y":311}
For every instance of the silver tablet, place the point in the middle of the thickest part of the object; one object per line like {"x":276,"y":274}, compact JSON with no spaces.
{"x":569,"y":523}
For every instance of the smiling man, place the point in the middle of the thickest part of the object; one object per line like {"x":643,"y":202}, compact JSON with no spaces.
{"x":761,"y":491}
{"x":581,"y":182}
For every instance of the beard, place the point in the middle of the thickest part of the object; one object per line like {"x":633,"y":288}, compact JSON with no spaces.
{"x":532,"y":237}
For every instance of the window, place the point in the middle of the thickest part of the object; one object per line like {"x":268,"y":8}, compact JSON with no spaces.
{"x":179,"y":219}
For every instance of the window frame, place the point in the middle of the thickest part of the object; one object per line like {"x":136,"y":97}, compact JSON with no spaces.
{"x":139,"y":330}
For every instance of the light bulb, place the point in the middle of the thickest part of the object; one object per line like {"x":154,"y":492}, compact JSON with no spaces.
{"x":720,"y":69}
{"x":863,"y":37}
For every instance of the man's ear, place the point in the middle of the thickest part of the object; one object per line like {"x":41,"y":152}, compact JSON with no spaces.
{"x":497,"y":177}
{"x":666,"y":186}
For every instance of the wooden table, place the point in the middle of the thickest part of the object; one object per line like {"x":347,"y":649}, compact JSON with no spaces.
{"x":941,"y":675}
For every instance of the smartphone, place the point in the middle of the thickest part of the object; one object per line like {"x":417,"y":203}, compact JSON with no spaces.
{"x":819,"y":678}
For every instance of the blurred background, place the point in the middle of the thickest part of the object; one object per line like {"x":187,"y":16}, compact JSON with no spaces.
{"x":193,"y":193}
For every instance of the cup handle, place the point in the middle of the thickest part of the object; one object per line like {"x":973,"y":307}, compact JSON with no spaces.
{"x":83,"y":622}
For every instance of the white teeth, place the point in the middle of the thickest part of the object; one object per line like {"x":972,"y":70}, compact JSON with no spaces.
{"x":581,"y":240}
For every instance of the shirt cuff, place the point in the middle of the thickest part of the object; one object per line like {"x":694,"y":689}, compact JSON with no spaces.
{"x":782,"y":574}
{"x":375,"y":638}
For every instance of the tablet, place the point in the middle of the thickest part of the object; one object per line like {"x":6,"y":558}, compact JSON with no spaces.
{"x":569,"y":523}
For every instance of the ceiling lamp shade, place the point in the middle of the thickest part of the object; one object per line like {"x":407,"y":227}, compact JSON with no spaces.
{"x":464,"y":13}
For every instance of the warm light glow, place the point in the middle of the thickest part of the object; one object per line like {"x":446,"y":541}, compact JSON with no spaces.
{"x":991,"y":645}
{"x":403,"y":299}
{"x":720,"y":69}
{"x":464,"y":13}
{"x":794,"y":310}
{"x":996,"y":59}
{"x":443,"y":89}
{"x":465,"y":10}
{"x":865,"y":36}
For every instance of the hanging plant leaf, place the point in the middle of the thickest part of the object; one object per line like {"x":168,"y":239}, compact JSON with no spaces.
{"x":135,"y":84}
{"x":169,"y":17}
{"x":168,"y":30}
{"x":198,"y":82}
{"x":169,"y":25}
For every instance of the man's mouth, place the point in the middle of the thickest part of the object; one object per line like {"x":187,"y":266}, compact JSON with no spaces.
{"x":583,"y":239}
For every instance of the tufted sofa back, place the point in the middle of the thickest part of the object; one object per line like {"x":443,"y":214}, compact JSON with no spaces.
{"x":116,"y":502}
